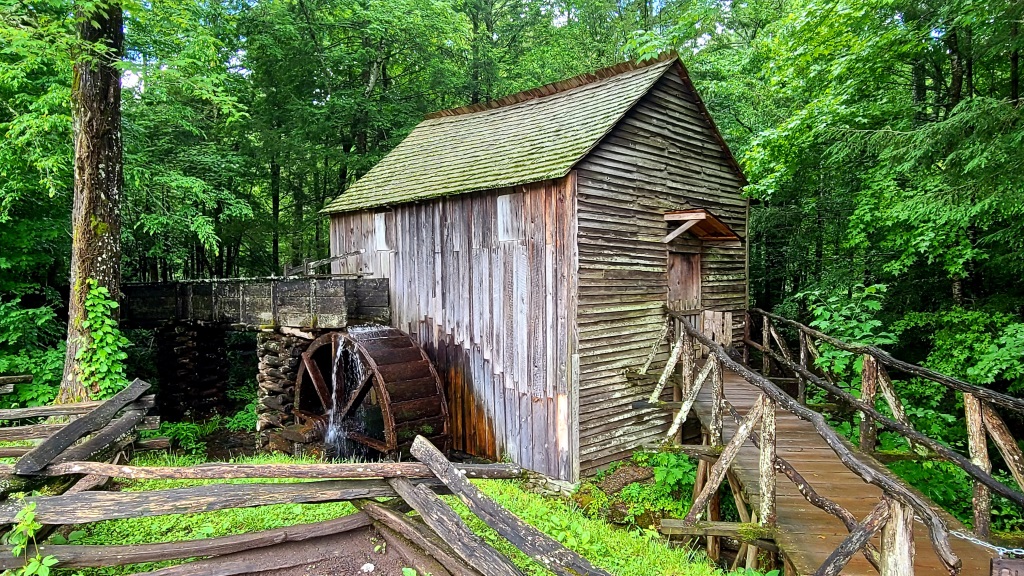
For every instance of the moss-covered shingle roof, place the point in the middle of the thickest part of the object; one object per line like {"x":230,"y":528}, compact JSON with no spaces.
{"x":528,"y":137}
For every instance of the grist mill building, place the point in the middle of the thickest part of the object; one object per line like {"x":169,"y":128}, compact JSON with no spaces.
{"x":532,"y":244}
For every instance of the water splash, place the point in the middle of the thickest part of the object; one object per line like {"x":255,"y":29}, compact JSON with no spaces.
{"x":347,"y":371}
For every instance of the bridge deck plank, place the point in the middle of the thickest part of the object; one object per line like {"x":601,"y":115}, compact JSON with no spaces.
{"x":806,"y":534}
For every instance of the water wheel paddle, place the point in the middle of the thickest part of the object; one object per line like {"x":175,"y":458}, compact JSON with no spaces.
{"x":373,"y":386}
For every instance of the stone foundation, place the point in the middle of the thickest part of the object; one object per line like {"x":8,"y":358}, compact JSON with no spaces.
{"x":279,"y":356}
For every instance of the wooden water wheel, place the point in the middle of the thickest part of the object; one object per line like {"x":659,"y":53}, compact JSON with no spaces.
{"x":381,"y":386}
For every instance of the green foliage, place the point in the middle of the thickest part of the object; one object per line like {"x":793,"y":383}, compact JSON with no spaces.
{"x":102,"y":355}
{"x":20,"y":537}
{"x":244,"y":420}
{"x":189,"y":437}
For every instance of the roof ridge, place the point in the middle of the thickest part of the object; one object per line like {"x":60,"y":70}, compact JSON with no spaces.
{"x":555,"y":87}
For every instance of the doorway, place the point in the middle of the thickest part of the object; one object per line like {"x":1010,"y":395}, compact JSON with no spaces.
{"x":684,"y":281}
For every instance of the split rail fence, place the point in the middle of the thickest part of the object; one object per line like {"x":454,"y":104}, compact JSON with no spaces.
{"x":439,"y":539}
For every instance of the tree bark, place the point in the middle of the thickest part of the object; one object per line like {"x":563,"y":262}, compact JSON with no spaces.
{"x":99,"y":176}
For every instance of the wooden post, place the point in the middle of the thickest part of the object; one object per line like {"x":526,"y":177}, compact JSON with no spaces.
{"x":897,"y":558}
{"x":1004,"y":441}
{"x":801,"y":382}
{"x":766,"y":342}
{"x":767,"y":466}
{"x":746,"y":338}
{"x":868,"y":389}
{"x":718,"y":394}
{"x":977,"y":444}
{"x":688,"y":365}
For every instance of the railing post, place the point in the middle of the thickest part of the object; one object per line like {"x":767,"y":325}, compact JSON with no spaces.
{"x":766,"y":342}
{"x":801,"y":394}
{"x":978,"y":446}
{"x":767,"y":466}
{"x":746,"y":338}
{"x":718,"y":394}
{"x":897,"y":554}
{"x":868,"y":390}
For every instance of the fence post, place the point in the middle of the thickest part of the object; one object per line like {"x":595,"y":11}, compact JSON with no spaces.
{"x":766,"y":342}
{"x":978,"y":446}
{"x":767,"y":466}
{"x":897,"y":554}
{"x":718,"y":394}
{"x":868,"y":390}
{"x":746,"y":337}
{"x":801,"y":394}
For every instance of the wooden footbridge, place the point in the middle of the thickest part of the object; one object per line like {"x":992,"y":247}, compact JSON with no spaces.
{"x":836,"y":509}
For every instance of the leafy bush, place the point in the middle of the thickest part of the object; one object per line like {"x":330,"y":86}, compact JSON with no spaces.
{"x":244,"y":420}
{"x":187,"y":436}
{"x":31,"y":342}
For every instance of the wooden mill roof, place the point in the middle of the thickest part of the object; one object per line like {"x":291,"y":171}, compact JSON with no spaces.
{"x":527,"y":137}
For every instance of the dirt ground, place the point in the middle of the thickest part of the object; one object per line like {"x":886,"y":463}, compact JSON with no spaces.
{"x":355,"y":553}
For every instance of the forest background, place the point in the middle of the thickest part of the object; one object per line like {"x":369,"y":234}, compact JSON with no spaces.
{"x":883,"y":140}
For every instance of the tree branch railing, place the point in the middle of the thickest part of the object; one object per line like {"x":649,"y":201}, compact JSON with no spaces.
{"x":983,"y":422}
{"x":899,"y":501}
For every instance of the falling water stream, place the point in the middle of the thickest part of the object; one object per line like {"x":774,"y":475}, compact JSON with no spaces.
{"x":353,"y":371}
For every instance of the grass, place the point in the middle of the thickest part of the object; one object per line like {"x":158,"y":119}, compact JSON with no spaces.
{"x":620,"y":551}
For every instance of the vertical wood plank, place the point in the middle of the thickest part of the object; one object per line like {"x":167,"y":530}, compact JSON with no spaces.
{"x":868,"y":389}
{"x":897,"y":554}
{"x":767,"y":477}
{"x":978,"y":447}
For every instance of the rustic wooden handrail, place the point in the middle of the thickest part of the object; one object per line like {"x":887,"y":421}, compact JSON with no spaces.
{"x":940,"y":450}
{"x":989,"y":395}
{"x":938,"y":531}
{"x":982,"y":420}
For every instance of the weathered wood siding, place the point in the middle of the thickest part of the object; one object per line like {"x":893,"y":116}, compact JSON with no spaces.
{"x":485,"y":282}
{"x":662,"y":156}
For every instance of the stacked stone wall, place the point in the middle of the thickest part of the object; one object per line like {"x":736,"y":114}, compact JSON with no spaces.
{"x":279,"y":356}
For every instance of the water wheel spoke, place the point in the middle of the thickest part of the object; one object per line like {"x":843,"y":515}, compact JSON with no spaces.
{"x":318,"y":381}
{"x":353,"y":398}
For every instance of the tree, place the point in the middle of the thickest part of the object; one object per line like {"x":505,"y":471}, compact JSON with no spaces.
{"x":99,"y":176}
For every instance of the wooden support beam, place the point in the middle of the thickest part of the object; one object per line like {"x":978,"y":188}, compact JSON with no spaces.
{"x":690,"y":398}
{"x":670,"y":366}
{"x":679,"y":231}
{"x":101,"y":556}
{"x":447,"y":524}
{"x":43,"y":454}
{"x":545,"y":550}
{"x":361,"y":470}
{"x":656,"y":347}
{"x":897,"y":558}
{"x":977,"y":446}
{"x":857,"y":539}
{"x":718,"y":471}
{"x":746,"y":532}
{"x":685,"y":216}
{"x":1005,"y":443}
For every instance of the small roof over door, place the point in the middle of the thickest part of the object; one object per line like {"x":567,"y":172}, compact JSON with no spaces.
{"x":701,"y":223}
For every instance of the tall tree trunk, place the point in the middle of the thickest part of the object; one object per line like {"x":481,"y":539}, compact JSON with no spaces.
{"x":275,"y":208}
{"x":99,"y":176}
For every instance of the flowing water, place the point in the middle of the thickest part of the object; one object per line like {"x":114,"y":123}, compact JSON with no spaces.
{"x":352,"y":371}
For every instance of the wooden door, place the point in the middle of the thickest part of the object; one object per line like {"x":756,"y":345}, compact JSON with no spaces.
{"x":684,"y":281}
